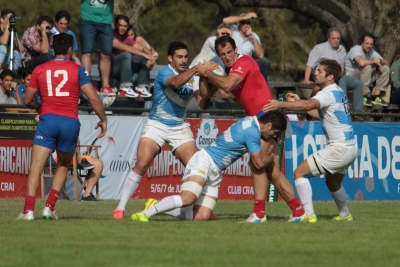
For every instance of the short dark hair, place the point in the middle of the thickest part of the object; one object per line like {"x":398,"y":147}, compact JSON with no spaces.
{"x":367,"y":34}
{"x":62,"y":42}
{"x":5,"y":12}
{"x":172,"y":47}
{"x":44,"y":18}
{"x":333,"y":29}
{"x":332,"y":67}
{"x":277,"y":119}
{"x":6,"y":72}
{"x":119,"y":17}
{"x":62,"y":14}
{"x":26,"y":73}
{"x":223,"y":41}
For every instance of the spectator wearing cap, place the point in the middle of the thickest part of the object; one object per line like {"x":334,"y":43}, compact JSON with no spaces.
{"x":247,"y":41}
{"x":207,"y":52}
{"x":38,"y":43}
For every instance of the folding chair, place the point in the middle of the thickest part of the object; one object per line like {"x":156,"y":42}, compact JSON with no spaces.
{"x":75,"y":172}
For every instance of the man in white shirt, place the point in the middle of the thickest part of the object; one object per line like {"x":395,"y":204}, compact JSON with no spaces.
{"x":364,"y":63}
{"x":247,"y":41}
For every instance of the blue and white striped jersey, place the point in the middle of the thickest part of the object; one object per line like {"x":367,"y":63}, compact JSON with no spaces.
{"x":169,"y":104}
{"x":241,"y":137}
{"x":335,"y":116}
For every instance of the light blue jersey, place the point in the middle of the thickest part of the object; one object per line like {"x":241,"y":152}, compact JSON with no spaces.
{"x":335,"y":116}
{"x":243,"y":136}
{"x":169,"y":104}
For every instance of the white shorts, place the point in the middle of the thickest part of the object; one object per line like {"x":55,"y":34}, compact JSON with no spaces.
{"x":201,"y":164}
{"x":336,"y":157}
{"x":161,"y":134}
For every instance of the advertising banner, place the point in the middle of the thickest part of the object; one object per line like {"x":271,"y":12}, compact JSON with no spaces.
{"x":374,"y":175}
{"x":16,"y":134}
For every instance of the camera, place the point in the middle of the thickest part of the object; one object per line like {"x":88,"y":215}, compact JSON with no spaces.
{"x":13,"y":20}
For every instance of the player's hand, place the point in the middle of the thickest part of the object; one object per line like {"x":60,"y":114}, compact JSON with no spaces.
{"x":202,"y":68}
{"x":272,"y":105}
{"x":292,"y":97}
{"x":103,"y":128}
{"x":37,"y":118}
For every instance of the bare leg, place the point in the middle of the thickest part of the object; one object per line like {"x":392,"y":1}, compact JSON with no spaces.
{"x":87,"y":62}
{"x":105,"y":67}
{"x":94,"y":175}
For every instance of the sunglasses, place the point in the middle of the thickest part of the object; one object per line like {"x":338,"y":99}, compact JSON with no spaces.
{"x":246,"y":22}
{"x":225,"y":33}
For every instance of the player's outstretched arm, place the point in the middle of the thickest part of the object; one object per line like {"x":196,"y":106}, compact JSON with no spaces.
{"x":176,"y":81}
{"x":97,"y":106}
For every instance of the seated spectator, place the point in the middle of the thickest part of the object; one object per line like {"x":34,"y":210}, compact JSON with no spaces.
{"x":395,"y":77}
{"x":140,"y":40}
{"x":332,"y":49}
{"x":62,"y":19}
{"x":207,"y":52}
{"x":5,"y":41}
{"x":38,"y":43}
{"x":93,"y":165}
{"x":364,"y":63}
{"x":248,"y":41}
{"x":128,"y":58}
{"x":9,"y":94}
{"x":25,"y":78}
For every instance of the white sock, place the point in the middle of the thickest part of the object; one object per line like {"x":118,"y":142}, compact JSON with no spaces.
{"x":165,"y":204}
{"x":184,"y":213}
{"x":304,"y":190}
{"x":132,"y":182}
{"x":340,"y":199}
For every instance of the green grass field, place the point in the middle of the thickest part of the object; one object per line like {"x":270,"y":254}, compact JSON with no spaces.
{"x":85,"y":235}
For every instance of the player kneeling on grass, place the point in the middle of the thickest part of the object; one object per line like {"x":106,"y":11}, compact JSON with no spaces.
{"x":203,"y":172}
{"x":331,"y":106}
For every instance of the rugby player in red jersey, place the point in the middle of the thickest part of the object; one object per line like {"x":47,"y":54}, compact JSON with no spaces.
{"x":59,"y":82}
{"x":245,"y":81}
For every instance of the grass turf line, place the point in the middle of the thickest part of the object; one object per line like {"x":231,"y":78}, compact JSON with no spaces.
{"x":85,"y":235}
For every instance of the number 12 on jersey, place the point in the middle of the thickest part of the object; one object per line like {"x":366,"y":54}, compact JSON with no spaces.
{"x":56,"y":74}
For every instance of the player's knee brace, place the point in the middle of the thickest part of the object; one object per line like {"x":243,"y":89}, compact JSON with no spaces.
{"x":193,"y":187}
{"x":315,"y":167}
{"x":206,"y":201}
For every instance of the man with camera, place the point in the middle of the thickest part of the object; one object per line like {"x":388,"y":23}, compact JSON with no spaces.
{"x":7,"y":21}
{"x":38,"y":42}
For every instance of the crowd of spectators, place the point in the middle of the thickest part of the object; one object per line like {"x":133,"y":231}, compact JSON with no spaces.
{"x":128,"y":57}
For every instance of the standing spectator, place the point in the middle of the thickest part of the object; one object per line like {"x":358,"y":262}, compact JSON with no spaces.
{"x":25,"y":78}
{"x":332,"y":49}
{"x":395,"y":76}
{"x":9,"y":94}
{"x":207,"y":52}
{"x":58,"y":126}
{"x":62,"y":19}
{"x":248,"y":41}
{"x":364,"y":63}
{"x":38,"y":43}
{"x":130,"y":57}
{"x":5,"y":41}
{"x":95,"y":28}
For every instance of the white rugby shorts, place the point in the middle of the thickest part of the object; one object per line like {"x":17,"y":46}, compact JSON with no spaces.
{"x":336,"y":157}
{"x":201,"y":164}
{"x":161,"y":134}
